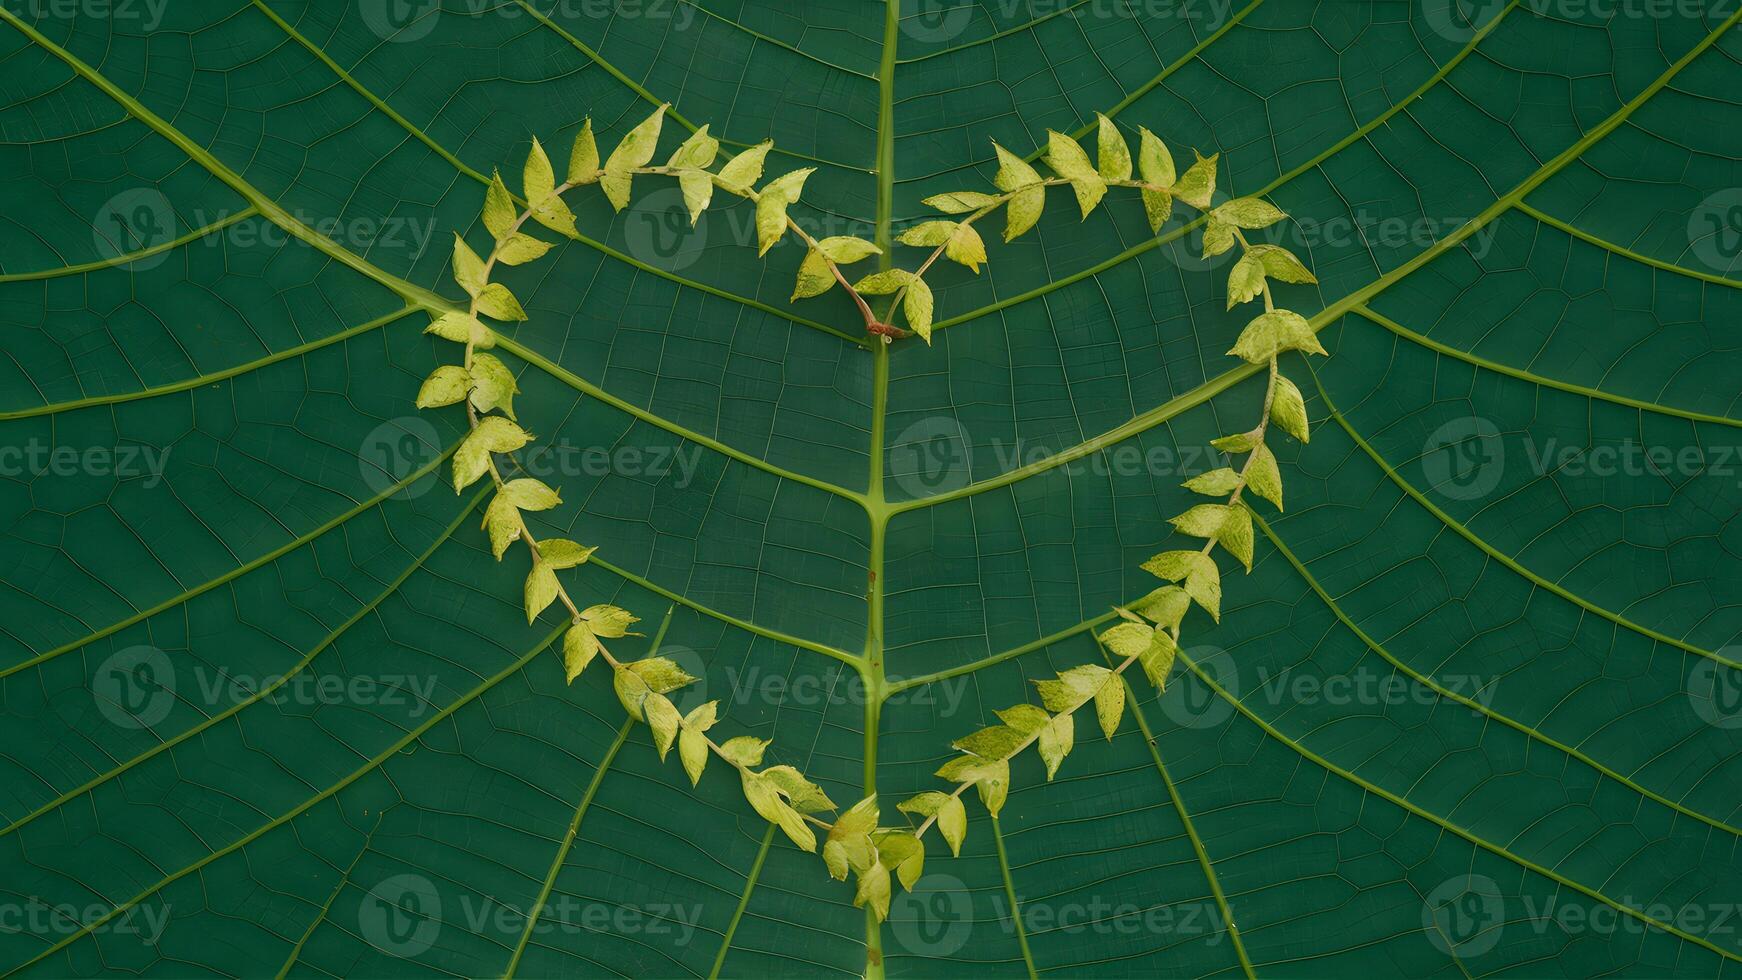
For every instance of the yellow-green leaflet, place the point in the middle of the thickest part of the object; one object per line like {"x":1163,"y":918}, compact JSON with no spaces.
{"x":635,"y":151}
{"x":1112,"y":153}
{"x":1028,"y":196}
{"x":584,"y":158}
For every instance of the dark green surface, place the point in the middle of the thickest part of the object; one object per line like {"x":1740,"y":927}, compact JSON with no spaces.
{"x":1557,"y":156}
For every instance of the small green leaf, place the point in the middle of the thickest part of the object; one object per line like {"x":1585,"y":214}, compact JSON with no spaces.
{"x":563,"y":553}
{"x":607,"y":620}
{"x":962,"y":244}
{"x":994,"y":742}
{"x":1216,"y":483}
{"x":766,"y":801}
{"x":493,"y":385}
{"x":468,"y":267}
{"x":1288,"y":408}
{"x":635,"y":151}
{"x":743,"y":171}
{"x":1112,"y":153}
{"x":530,"y":494}
{"x":446,"y":385}
{"x":584,"y":158}
{"x":698,"y":190}
{"x":771,"y":204}
{"x":1165,"y":606}
{"x":499,"y":210}
{"x":1279,"y":263}
{"x":1198,"y":184}
{"x":805,"y":795}
{"x":873,"y":892}
{"x":846,"y":249}
{"x":520,"y":248}
{"x":664,"y":720}
{"x":1264,"y":477}
{"x":496,"y":301}
{"x":1058,"y":737}
{"x":1024,"y":718}
{"x":1239,"y":442}
{"x":1157,"y":660}
{"x":1154,"y":162}
{"x":698,"y":151}
{"x":916,"y":305}
{"x":1127,"y":640}
{"x":814,"y":277}
{"x":1273,"y":332}
{"x":1110,"y":705}
{"x":632,"y":692}
{"x":502,"y":521}
{"x":462,"y":328}
{"x":539,"y":181}
{"x":744,"y":750}
{"x":1016,"y":177}
{"x":1158,"y":207}
{"x":541,"y":590}
{"x":1065,"y":156}
{"x":1202,"y":520}
{"x":959,"y":202}
{"x":580,"y":646}
{"x":1249,"y":213}
{"x":661,"y":674}
{"x":1236,"y":535}
{"x":1072,"y":688}
{"x":692,"y":743}
{"x":928,"y":233}
{"x":903,"y":852}
{"x":1218,"y":237}
{"x":1245,"y":280}
{"x":883,"y":283}
{"x":1203,"y":580}
{"x":952,"y":817}
{"x":499,"y":435}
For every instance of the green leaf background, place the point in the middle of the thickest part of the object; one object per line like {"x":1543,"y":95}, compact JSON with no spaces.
{"x":224,"y":224}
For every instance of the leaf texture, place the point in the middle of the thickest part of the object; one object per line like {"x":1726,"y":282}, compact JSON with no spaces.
{"x":263,"y":676}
